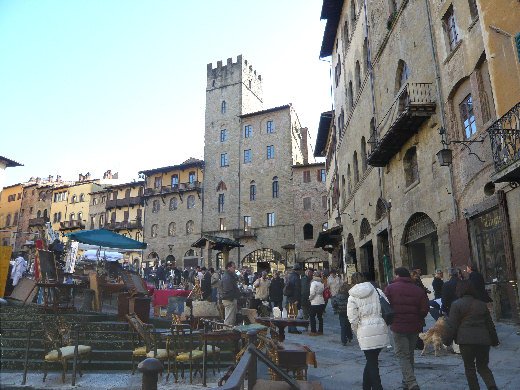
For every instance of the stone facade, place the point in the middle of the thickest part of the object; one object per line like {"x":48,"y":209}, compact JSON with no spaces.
{"x":386,"y":183}
{"x":247,"y":147}
{"x":170,"y":226}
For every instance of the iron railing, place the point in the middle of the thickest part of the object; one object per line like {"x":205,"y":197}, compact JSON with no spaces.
{"x":197,"y":185}
{"x":411,"y":95}
{"x":505,"y":138}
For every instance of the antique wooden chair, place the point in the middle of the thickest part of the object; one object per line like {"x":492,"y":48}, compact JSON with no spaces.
{"x":292,"y":310}
{"x":186,"y":350}
{"x":149,"y":349}
{"x":57,"y":339}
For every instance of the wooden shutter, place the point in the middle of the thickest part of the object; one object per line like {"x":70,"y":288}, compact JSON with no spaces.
{"x":459,"y":243}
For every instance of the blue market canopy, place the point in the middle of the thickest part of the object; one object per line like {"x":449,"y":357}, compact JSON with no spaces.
{"x":105,"y":238}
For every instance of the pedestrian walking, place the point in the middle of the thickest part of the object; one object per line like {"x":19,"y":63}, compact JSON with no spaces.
{"x":478,"y":282}
{"x":364,"y":314}
{"x":471,"y":326}
{"x":411,"y":306}
{"x":205,"y":284}
{"x":448,"y":290}
{"x":339,"y":304}
{"x":230,"y":293}
{"x":334,"y":283}
{"x":437,"y":284}
{"x":317,"y":304}
{"x":215,"y":280}
{"x":261,"y":286}
{"x":306,"y":290}
{"x":416,"y":277}
{"x":292,"y":291}
{"x":276,"y":291}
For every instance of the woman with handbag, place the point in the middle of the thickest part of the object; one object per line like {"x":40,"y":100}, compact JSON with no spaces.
{"x":317,"y":304}
{"x":364,"y":314}
{"x":471,"y":326}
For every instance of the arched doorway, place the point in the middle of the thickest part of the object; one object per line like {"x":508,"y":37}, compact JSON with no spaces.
{"x":367,"y":251}
{"x":264,"y":259}
{"x":420,"y":247}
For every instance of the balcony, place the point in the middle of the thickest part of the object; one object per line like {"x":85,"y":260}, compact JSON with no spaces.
{"x":176,"y":188}
{"x":125,"y":225}
{"x":111,"y":203}
{"x":504,"y":135}
{"x":244,"y":233}
{"x":412,"y":106}
{"x":74,"y":224}
{"x":38,"y":221}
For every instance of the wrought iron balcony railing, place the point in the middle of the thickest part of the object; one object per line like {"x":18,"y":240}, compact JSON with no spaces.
{"x":38,"y":221}
{"x":504,"y":135}
{"x":413,"y":104}
{"x":197,"y":185}
{"x":74,"y":224}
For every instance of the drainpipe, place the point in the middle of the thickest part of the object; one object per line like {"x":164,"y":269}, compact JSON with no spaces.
{"x":441,"y":106}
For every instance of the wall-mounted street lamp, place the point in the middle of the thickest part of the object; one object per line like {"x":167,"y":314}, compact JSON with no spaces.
{"x":445,"y":155}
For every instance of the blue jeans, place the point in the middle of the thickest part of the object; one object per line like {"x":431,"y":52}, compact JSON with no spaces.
{"x":346,"y":329}
{"x":214,"y":295}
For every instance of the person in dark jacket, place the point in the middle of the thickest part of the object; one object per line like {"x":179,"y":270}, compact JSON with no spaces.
{"x":186,"y":275}
{"x":478,"y":281}
{"x":448,"y":290}
{"x":205,"y":285}
{"x":293,"y":291}
{"x":471,"y":326}
{"x":437,"y":284}
{"x":230,"y":293}
{"x":177,"y":276}
{"x":411,"y":306}
{"x":306,"y":290}
{"x":339,"y":305}
{"x":160,"y":277}
{"x":276,"y":291}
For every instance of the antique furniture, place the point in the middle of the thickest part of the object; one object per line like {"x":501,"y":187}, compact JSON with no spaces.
{"x":186,"y":349}
{"x":281,"y":323}
{"x":57,"y":339}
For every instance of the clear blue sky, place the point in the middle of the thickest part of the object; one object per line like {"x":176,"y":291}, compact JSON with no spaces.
{"x":91,"y":85}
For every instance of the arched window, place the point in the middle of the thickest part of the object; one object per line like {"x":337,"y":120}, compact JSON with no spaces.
{"x":308,"y":232}
{"x":173,"y":204}
{"x":403,"y":72}
{"x":45,"y":213}
{"x":364,"y":229}
{"x":252,"y":190}
{"x":80,"y":216}
{"x":343,"y":189}
{"x":171,"y":229}
{"x":15,"y":219}
{"x":39,"y":214}
{"x":358,"y":76}
{"x":223,"y":107}
{"x":72,"y":216}
{"x":221,"y":200}
{"x":156,"y":206}
{"x":365,"y":56}
{"x":324,"y":226}
{"x":411,"y":170}
{"x":81,"y":197}
{"x":350,"y":96}
{"x":74,"y":199}
{"x":363,"y":155}
{"x":275,"y":187}
{"x":189,"y":227}
{"x":101,"y":220}
{"x":345,"y":34}
{"x":380,"y":209}
{"x":221,"y":186}
{"x":154,"y":231}
{"x":191,"y":201}
{"x":356,"y":169}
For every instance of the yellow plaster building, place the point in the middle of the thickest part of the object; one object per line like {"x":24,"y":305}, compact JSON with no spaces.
{"x":10,"y":208}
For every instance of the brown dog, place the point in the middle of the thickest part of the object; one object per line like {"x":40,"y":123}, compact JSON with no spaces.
{"x":434,"y":336}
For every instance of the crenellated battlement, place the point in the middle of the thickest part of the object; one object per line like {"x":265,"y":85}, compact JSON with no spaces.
{"x":241,"y":66}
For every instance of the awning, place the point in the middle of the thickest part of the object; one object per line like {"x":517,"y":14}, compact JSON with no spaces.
{"x":217,"y":243}
{"x":105,"y":238}
{"x":330,"y":236}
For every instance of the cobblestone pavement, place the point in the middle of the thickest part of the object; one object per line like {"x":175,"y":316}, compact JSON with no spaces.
{"x":341,"y":367}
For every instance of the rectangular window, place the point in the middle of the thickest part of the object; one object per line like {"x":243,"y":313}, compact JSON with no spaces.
{"x":220,"y":203}
{"x":175,"y":181}
{"x":270,"y":219}
{"x":451,"y":28}
{"x":306,"y":176}
{"x":223,"y":135}
{"x":270,"y":152}
{"x":322,"y":175}
{"x":252,"y":192}
{"x":275,"y":189}
{"x":324,"y":201}
{"x":247,"y":223}
{"x":270,"y":127}
{"x":247,"y":155}
{"x":191,"y":177}
{"x":157,"y":183}
{"x":222,"y":224}
{"x":247,"y":131}
{"x":468,"y":118}
{"x":223,"y":160}
{"x":307,"y":203}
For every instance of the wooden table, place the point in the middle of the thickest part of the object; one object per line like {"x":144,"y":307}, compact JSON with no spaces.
{"x":281,"y":323}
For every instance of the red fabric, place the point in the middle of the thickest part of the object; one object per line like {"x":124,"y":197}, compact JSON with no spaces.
{"x":410,"y":305}
{"x":160,"y":297}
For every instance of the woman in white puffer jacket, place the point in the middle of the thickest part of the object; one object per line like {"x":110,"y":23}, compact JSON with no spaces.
{"x":364,"y":314}
{"x":317,"y":304}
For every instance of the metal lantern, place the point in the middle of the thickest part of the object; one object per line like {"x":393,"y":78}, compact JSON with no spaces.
{"x":445,"y":157}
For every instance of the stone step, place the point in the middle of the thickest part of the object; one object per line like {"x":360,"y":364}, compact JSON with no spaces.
{"x":21,"y":342}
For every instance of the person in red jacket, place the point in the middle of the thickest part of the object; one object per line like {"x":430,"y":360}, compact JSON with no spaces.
{"x":410,"y":305}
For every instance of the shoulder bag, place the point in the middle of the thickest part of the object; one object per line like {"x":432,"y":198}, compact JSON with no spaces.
{"x":386,"y":310}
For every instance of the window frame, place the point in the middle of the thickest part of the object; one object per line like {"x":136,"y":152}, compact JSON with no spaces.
{"x":221,"y":203}
{"x":450,"y":28}
{"x":270,"y":127}
{"x":190,"y":202}
{"x":247,"y":156}
{"x":270,"y":219}
{"x":276,"y":189}
{"x":252,"y":192}
{"x":467,"y":113}
{"x":248,"y":131}
{"x":270,"y":152}
{"x":247,"y":223}
{"x":223,"y":135}
{"x":224,"y":160}
{"x":192,"y":177}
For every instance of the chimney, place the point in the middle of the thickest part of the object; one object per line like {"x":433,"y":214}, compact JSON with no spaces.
{"x":305,"y":148}
{"x":38,"y":180}
{"x":87,"y":176}
{"x":50,"y":178}
{"x":58,"y":178}
{"x":115,"y":175}
{"x":80,"y":177}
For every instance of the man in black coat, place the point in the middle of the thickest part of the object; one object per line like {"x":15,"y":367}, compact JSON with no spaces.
{"x":477,"y":280}
{"x":292,"y":291}
{"x":276,"y":291}
{"x":205,"y":285}
{"x":437,"y":284}
{"x":448,"y":290}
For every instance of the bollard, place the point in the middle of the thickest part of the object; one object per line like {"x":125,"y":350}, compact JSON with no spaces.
{"x":150,"y":368}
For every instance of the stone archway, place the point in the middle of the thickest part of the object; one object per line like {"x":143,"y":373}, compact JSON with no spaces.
{"x":419,"y":244}
{"x":265,"y":259}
